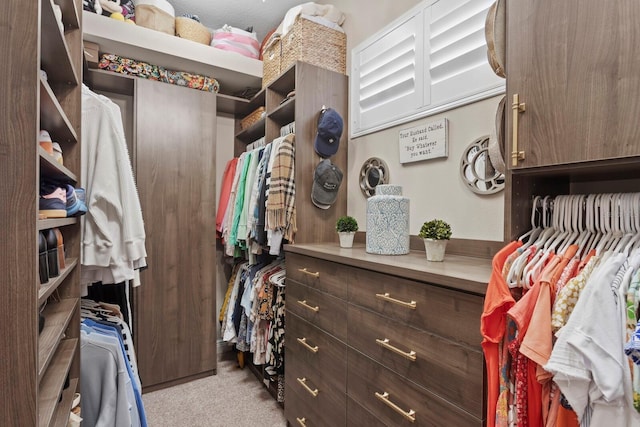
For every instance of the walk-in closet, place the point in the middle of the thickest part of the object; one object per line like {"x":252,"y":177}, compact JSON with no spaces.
{"x":178,"y":177}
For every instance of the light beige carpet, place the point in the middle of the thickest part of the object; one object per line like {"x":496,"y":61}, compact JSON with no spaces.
{"x":233,"y":397}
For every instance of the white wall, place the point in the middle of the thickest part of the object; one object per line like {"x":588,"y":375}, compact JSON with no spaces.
{"x":434,"y":186}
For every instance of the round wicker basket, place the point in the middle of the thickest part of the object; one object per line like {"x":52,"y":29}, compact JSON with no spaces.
{"x":190,"y":29}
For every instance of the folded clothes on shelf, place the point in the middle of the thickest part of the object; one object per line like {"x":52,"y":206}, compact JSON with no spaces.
{"x":143,"y":70}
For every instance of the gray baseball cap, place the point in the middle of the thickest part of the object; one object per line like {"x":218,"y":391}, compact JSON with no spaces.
{"x":327,"y":178}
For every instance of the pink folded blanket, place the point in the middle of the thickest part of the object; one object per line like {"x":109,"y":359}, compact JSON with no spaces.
{"x":236,"y":40}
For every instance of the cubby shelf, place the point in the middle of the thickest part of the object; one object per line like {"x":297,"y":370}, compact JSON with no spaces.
{"x":49,"y":287}
{"x":51,"y":168}
{"x":253,"y":132}
{"x":57,"y":315}
{"x":52,"y":383}
{"x":56,"y":58}
{"x":61,"y":417}
{"x":285,"y":112}
{"x":53,"y":118}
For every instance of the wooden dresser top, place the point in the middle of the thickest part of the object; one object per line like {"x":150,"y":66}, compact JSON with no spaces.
{"x":457,"y":272}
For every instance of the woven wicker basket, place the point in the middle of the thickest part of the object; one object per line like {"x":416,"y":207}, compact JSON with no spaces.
{"x":313,"y":43}
{"x":271,"y":58}
{"x":252,"y":118}
{"x":190,"y":29}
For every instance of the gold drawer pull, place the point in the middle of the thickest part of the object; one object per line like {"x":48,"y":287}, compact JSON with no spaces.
{"x":518,"y":108}
{"x":302,"y":421}
{"x":385,"y":343}
{"x":412,"y":305}
{"x":303,"y":383}
{"x":303,"y":341}
{"x":305,"y":271}
{"x":384,"y":397}
{"x":305,"y":305}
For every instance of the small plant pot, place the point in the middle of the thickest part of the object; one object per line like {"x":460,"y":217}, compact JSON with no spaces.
{"x":435,"y":249}
{"x":346,"y":238}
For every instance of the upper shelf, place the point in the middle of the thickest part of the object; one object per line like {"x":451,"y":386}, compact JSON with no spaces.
{"x":234,"y":72}
{"x":56,"y":58}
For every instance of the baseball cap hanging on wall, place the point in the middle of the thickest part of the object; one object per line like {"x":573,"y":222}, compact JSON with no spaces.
{"x":329,"y":132}
{"x":327,"y":178}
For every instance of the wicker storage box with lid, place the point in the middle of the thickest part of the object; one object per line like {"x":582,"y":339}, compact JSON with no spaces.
{"x":315,"y":44}
{"x":271,"y":61}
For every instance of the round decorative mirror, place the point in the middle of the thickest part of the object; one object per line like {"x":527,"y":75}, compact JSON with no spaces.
{"x":374,"y":172}
{"x":476,"y":169}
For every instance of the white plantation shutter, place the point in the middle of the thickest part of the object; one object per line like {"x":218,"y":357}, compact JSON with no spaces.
{"x":460,"y":72}
{"x":388,"y":83}
{"x":431,"y":59}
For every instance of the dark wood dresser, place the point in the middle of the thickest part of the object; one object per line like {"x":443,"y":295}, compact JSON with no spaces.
{"x":383,"y":340}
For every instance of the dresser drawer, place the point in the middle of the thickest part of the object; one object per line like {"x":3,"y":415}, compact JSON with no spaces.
{"x":394,"y":399}
{"x":448,"y":369}
{"x":301,"y":411}
{"x":318,"y":274}
{"x":358,"y":416}
{"x":322,"y":310}
{"x":448,"y":313}
{"x":311,"y":391}
{"x":318,"y":354}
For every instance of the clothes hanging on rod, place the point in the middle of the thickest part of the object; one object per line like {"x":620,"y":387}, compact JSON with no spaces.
{"x":256,"y":210}
{"x":113,"y":235}
{"x":113,"y":293}
{"x":559,"y":313}
{"x":111,"y":389}
{"x":225,"y":192}
{"x":252,"y":315}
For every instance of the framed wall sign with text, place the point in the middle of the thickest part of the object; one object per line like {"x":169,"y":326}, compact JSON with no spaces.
{"x":424,"y":142}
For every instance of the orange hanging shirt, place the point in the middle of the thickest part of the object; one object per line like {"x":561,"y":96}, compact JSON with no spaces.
{"x":497,"y":302}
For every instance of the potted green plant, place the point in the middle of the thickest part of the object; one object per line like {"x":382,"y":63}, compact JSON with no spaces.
{"x":346,"y":226}
{"x":435,"y":234}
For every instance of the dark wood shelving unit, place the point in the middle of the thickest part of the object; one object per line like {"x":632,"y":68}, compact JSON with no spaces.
{"x":314,"y":87}
{"x":40,"y":370}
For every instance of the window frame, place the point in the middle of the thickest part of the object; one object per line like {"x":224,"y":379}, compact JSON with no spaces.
{"x":427,"y":105}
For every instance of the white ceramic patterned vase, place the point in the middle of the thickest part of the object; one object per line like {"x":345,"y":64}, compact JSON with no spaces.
{"x":388,"y":221}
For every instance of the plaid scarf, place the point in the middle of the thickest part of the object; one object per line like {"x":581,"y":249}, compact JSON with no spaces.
{"x":281,"y":208}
